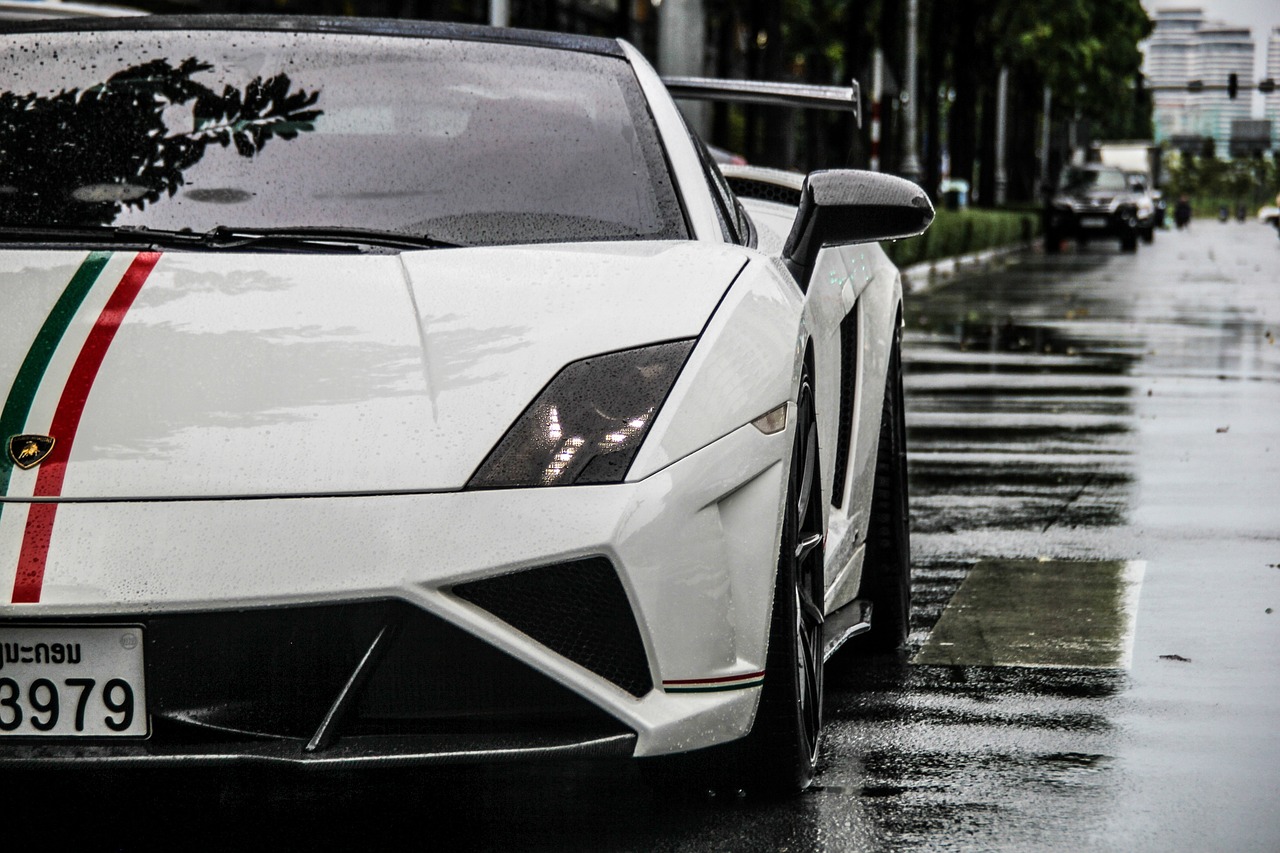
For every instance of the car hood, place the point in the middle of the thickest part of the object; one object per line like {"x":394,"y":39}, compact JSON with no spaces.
{"x":265,"y":374}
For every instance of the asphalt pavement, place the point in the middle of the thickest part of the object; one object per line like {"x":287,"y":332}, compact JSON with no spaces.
{"x":1112,"y":419}
{"x":1095,"y":652}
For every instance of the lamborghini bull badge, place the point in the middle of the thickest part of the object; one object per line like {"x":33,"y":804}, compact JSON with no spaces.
{"x":28,"y":451}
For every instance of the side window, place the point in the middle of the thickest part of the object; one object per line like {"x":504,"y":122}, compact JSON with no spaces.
{"x":722,"y":208}
{"x":734,"y":221}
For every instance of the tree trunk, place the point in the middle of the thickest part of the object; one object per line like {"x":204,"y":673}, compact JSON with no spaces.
{"x":937,"y":19}
{"x":961,"y":132}
{"x":987,"y":146}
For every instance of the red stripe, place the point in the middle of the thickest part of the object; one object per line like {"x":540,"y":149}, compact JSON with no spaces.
{"x":719,"y":680}
{"x":66,"y":420}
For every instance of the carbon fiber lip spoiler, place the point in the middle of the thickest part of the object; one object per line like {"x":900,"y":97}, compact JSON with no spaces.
{"x":803,"y":95}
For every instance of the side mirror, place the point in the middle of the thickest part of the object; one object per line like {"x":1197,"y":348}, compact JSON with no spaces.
{"x":843,"y":206}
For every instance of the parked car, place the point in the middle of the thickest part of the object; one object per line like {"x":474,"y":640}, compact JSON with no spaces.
{"x":352,"y":421}
{"x":1096,"y":202}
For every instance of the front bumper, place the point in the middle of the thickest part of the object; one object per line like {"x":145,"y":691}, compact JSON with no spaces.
{"x":1091,"y":223}
{"x":307,"y":583}
{"x":378,"y":682}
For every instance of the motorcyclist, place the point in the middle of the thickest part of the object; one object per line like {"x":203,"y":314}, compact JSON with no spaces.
{"x":1182,"y":212}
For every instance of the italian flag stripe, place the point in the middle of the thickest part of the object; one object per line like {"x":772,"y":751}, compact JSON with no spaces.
{"x":66,"y":420}
{"x":713,"y":685}
{"x":17,"y":405}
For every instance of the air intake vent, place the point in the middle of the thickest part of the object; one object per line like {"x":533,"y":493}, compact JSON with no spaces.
{"x":578,"y":610}
{"x":848,"y":388}
{"x":764,"y":190}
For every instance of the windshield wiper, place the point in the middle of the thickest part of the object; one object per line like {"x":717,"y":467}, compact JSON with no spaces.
{"x":226,"y":237}
{"x":303,"y":238}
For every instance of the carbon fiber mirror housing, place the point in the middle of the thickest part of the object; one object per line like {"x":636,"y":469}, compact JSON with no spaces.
{"x":839,"y":207}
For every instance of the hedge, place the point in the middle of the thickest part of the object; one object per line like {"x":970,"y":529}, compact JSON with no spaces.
{"x":962,"y":232}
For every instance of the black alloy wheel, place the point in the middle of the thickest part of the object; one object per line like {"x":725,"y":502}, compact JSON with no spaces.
{"x":780,"y":754}
{"x":801,"y":556}
{"x":1052,"y":242}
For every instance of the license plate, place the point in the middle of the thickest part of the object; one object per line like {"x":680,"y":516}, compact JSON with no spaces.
{"x":72,"y":681}
{"x":1093,"y":222}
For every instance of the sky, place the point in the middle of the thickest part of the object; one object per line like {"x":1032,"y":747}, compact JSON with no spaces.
{"x":1258,"y":15}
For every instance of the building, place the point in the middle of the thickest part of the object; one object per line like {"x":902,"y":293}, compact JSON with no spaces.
{"x":1271,"y":103}
{"x":1185,"y":47}
{"x":1170,"y":61}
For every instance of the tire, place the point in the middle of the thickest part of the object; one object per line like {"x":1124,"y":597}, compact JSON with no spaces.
{"x":777,"y":758}
{"x":886,"y":572}
{"x":1129,"y":242}
{"x":1149,"y":235}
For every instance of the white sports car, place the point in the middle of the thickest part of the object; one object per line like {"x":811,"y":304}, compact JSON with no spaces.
{"x":382,"y":391}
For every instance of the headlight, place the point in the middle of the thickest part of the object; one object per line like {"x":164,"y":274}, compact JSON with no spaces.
{"x":587,"y":424}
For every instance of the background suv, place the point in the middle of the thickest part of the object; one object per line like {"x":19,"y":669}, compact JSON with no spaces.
{"x":1096,"y":201}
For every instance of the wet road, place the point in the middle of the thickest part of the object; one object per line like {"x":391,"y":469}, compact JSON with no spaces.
{"x":1094,"y":662}
{"x":1119,"y":417}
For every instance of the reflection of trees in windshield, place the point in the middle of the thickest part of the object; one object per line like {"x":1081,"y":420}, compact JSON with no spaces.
{"x":80,"y":156}
{"x":1083,"y":180}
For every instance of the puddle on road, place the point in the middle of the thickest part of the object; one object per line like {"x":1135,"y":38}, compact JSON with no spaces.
{"x":1062,"y":341}
{"x":1039,"y":614}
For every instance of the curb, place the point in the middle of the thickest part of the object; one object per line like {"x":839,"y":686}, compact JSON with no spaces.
{"x":921,"y":276}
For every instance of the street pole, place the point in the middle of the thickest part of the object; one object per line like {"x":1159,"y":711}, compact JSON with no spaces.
{"x":877,"y":95}
{"x":499,"y":13}
{"x":1046,"y":133}
{"x":911,"y":157}
{"x":682,"y":27}
{"x":1002,"y":130}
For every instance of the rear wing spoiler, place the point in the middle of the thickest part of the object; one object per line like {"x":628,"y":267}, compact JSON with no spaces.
{"x":802,"y":95}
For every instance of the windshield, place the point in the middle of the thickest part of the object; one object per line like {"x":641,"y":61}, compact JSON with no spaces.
{"x":1084,"y":180}
{"x":465,"y":142}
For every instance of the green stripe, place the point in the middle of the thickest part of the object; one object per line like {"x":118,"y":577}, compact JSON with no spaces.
{"x":17,"y":406}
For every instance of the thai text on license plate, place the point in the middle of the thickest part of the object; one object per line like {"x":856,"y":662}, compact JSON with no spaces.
{"x":72,"y":681}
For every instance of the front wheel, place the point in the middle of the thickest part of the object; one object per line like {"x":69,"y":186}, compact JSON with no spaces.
{"x":783,"y":743}
{"x":779,"y":754}
{"x":1052,"y":242}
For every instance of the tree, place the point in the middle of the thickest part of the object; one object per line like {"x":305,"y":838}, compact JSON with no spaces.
{"x":1086,"y":51}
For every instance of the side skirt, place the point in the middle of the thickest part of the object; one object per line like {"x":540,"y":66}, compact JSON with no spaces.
{"x":844,"y":624}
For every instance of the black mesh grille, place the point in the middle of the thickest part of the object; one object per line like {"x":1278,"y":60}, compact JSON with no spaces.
{"x":764,"y":190}
{"x":578,"y":610}
{"x":848,"y":374}
{"x":273,"y":673}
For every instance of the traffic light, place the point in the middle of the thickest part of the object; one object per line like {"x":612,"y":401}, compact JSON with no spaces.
{"x":1233,"y":86}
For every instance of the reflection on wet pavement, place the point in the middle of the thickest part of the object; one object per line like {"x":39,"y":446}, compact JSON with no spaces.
{"x":1075,"y":413}
{"x":1045,"y":613}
